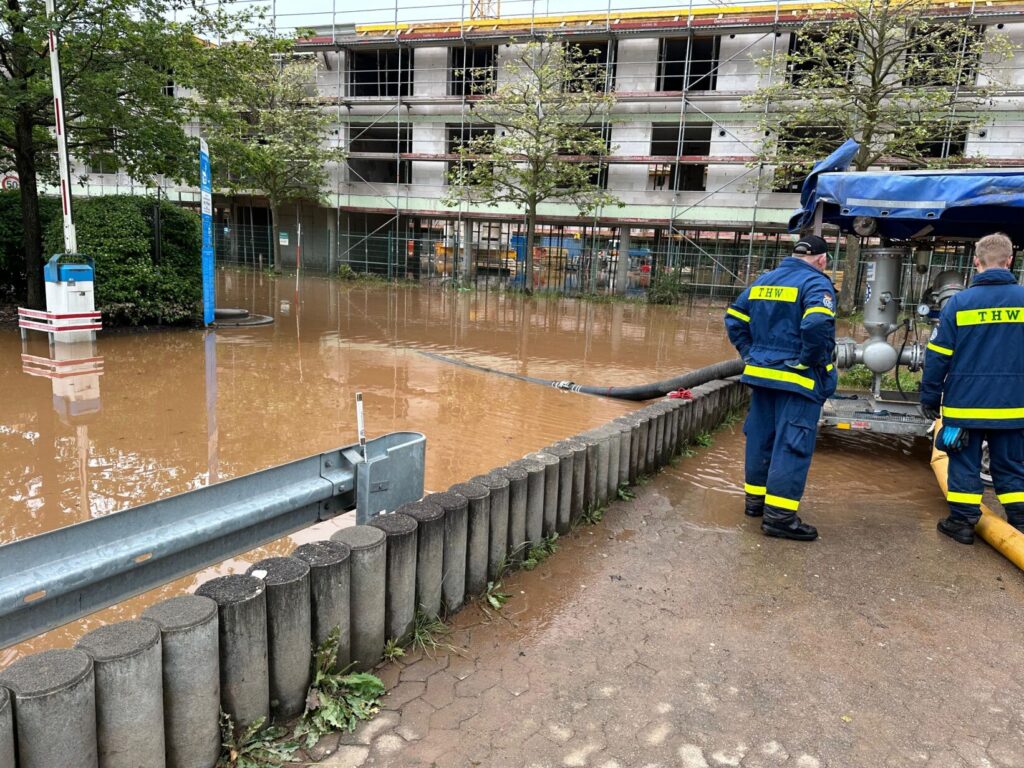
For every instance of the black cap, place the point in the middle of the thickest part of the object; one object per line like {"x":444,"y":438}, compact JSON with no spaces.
{"x":810,"y":245}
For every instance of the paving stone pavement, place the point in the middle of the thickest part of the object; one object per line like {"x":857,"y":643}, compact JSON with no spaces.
{"x":674,"y":634}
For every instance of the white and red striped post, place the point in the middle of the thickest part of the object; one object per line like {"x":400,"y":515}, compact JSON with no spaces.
{"x":70,"y":238}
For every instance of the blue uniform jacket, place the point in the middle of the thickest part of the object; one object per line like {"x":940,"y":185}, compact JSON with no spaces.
{"x":784,"y":328}
{"x":974,"y":362}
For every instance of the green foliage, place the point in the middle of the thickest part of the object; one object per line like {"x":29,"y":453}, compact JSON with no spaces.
{"x":393,"y":650}
{"x":703,"y":439}
{"x":860,"y":377}
{"x":624,"y":493}
{"x":336,"y":701}
{"x":540,"y":552}
{"x":117,"y":232}
{"x":495,"y":596}
{"x":12,"y":249}
{"x":593,"y":515}
{"x":667,"y":287}
{"x":428,"y":634}
{"x":255,"y":747}
{"x":889,"y":74}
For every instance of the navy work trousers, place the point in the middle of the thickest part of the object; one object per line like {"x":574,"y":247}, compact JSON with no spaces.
{"x":781,"y":429}
{"x":1006,"y":460}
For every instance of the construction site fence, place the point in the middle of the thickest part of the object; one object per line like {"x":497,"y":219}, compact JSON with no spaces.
{"x":714,"y":265}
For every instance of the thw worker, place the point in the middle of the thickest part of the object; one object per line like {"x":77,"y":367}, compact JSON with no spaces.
{"x":783,"y":326}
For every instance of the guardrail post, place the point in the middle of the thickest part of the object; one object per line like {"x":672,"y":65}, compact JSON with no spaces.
{"x":49,"y":688}
{"x":328,"y":563}
{"x":400,"y":589}
{"x":497,"y":521}
{"x":242,"y":632}
{"x":477,"y":540}
{"x":128,"y":665}
{"x":456,"y":530}
{"x":191,"y":679}
{"x":289,"y":635}
{"x":368,"y":578}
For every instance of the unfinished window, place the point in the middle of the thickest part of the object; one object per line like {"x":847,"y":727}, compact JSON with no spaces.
{"x":461,"y":135}
{"x":598,"y":56}
{"x":807,"y":46}
{"x":952,"y":144}
{"x":800,"y":142}
{"x":472,"y":70}
{"x":943,"y":55}
{"x":374,"y":153}
{"x":688,"y":63}
{"x":687,"y":148}
{"x":380,"y":72}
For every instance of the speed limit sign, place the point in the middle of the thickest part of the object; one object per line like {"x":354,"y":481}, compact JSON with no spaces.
{"x":9,"y":182}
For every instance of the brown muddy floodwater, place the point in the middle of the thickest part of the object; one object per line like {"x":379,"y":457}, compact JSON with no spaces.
{"x":176,"y":410}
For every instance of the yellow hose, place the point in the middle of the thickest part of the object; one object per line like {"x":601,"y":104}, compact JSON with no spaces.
{"x":1006,"y":539}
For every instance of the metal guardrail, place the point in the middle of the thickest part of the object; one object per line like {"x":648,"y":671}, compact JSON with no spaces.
{"x":56,"y":577}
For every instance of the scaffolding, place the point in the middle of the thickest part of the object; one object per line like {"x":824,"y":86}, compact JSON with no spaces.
{"x":685,"y":152}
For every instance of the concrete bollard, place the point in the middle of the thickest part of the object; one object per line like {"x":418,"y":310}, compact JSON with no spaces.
{"x":127,"y":661}
{"x":652,"y":441}
{"x":497,"y":523}
{"x":641,"y":449}
{"x":7,"y":730}
{"x":667,"y":443}
{"x":456,"y":531}
{"x":400,"y":592}
{"x":632,"y":423}
{"x":477,"y":535}
{"x":551,"y":477}
{"x":242,"y":642}
{"x":563,"y":516}
{"x":429,"y":519}
{"x":603,"y":464}
{"x":328,"y":563}
{"x":54,"y":712}
{"x":191,"y":679}
{"x":659,"y":435}
{"x":534,"y":502}
{"x":686,"y":428}
{"x":367,"y":564}
{"x":518,"y":481}
{"x":623,"y":432}
{"x":592,"y":468}
{"x":289,"y":632}
{"x":614,"y":451}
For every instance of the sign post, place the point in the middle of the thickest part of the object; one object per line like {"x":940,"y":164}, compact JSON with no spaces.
{"x":206,"y":193}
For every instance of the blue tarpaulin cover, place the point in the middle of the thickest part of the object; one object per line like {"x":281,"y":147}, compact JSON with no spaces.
{"x":908,"y":204}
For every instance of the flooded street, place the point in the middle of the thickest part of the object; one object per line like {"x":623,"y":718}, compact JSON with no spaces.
{"x":176,"y":410}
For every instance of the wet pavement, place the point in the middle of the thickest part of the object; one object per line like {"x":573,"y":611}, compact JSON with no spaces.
{"x":674,"y":634}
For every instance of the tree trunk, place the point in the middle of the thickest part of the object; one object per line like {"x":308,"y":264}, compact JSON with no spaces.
{"x":275,"y":233}
{"x":847,"y":294}
{"x":32,"y":240}
{"x":531,"y":221}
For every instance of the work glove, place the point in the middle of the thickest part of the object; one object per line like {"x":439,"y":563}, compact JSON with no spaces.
{"x":930,"y":411}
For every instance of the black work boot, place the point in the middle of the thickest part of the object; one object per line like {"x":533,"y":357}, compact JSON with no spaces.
{"x":957,"y":529}
{"x":753,"y":506}
{"x":781,"y":524}
{"x":1016,"y":520}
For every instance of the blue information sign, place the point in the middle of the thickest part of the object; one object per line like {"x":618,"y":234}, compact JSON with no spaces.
{"x":206,"y":193}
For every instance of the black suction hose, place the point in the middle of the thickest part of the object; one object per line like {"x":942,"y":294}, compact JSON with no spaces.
{"x":722,"y":370}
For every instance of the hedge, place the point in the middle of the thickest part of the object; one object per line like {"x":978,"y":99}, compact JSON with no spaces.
{"x":117,"y":231}
{"x":12,"y":254}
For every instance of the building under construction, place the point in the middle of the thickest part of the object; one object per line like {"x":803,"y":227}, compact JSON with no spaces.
{"x":684,"y":146}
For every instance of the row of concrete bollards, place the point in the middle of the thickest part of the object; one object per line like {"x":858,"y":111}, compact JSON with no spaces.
{"x":148,"y":692}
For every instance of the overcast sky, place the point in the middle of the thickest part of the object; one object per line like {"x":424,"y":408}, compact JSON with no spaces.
{"x":315,"y":13}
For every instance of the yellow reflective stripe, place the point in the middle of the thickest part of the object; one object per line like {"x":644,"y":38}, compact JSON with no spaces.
{"x":829,"y":367}
{"x":755,"y":490}
{"x":990,"y":315}
{"x":963,"y":498}
{"x":773,"y":292}
{"x":983,"y":413}
{"x":1011,"y":498}
{"x":736,"y":313}
{"x":786,"y":376}
{"x":782,"y":502}
{"x":941,"y":350}
{"x":822,"y":310}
